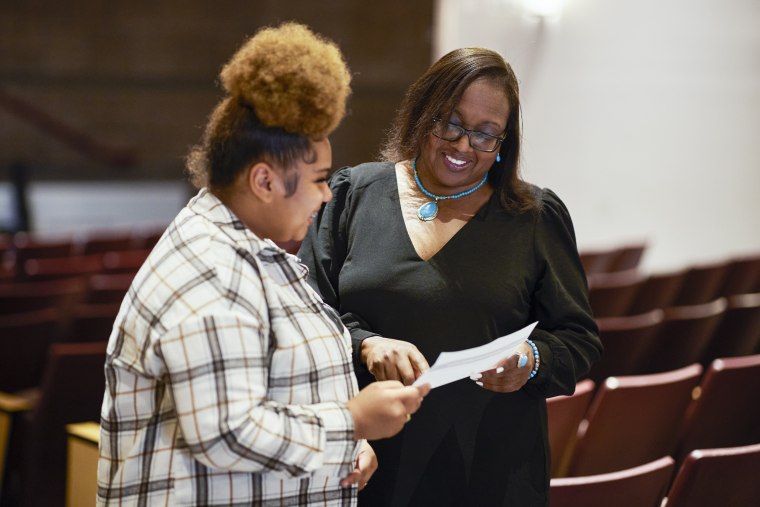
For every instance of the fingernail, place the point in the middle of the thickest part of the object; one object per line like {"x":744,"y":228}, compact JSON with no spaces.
{"x":476,"y":376}
{"x":522,"y":361}
{"x":479,"y":383}
{"x":499,"y":369}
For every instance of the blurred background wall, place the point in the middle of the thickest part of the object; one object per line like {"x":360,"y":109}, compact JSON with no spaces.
{"x":643,"y":115}
{"x":94,"y":90}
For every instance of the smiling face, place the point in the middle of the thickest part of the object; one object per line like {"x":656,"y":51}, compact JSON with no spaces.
{"x":293,"y":210}
{"x":448,"y":167}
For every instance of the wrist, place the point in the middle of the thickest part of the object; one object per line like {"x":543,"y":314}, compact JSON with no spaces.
{"x":366,"y":347}
{"x":536,"y":359}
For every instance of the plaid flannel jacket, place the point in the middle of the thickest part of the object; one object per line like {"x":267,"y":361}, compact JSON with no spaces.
{"x":226,"y":376}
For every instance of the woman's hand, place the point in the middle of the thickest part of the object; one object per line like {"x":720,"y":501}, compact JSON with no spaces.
{"x":381,"y":409}
{"x":365,"y":466}
{"x":508,"y":376}
{"x":389,"y":359}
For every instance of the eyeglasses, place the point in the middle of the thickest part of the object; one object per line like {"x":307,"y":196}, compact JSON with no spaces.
{"x":478,"y":140}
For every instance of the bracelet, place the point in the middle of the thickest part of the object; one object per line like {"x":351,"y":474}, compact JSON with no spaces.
{"x":537,"y":358}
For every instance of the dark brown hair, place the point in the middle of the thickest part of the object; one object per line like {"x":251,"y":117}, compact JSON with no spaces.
{"x":435,"y":95}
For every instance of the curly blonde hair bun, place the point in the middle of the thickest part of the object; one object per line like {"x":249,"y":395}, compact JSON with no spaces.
{"x":292,"y":78}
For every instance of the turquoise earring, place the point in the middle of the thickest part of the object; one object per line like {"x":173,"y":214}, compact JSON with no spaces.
{"x":498,"y":158}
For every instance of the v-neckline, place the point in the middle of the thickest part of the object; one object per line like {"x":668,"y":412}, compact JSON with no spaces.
{"x":477,"y":215}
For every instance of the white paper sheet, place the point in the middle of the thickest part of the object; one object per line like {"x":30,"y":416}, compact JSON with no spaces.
{"x":452,"y":366}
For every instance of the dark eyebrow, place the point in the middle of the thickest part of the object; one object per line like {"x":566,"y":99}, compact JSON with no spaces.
{"x":480,"y":125}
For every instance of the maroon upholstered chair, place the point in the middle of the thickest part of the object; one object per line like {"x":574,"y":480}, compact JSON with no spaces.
{"x":36,"y":246}
{"x":24,"y":341}
{"x":742,"y":276}
{"x":738,"y":333}
{"x":725,"y":410}
{"x":701,"y":284}
{"x":633,"y":420}
{"x":724,"y":476}
{"x":19,"y":297}
{"x":102,"y":241}
{"x":684,"y":336}
{"x":627,"y":257}
{"x":90,"y":322}
{"x":659,"y":290}
{"x":71,"y":391}
{"x":626,"y":342}
{"x":61,"y":267}
{"x":597,"y":261}
{"x":108,"y":288}
{"x":611,"y":294}
{"x":127,"y":261}
{"x":565,"y":414}
{"x":641,"y":486}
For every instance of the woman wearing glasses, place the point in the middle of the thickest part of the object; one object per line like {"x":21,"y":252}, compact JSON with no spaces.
{"x":444,"y":247}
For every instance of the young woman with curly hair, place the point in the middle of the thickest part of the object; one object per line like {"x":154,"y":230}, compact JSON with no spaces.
{"x":228,"y":380}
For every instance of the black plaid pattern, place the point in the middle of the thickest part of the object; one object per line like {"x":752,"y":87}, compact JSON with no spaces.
{"x":226,"y":377}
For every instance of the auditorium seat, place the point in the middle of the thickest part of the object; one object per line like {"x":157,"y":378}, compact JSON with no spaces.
{"x":127,"y":261}
{"x":26,"y":296}
{"x":738,"y":333}
{"x":633,"y":420}
{"x":596,"y":261}
{"x":725,"y":409}
{"x":37,"y":246}
{"x":24,"y":341}
{"x":611,"y":294}
{"x":71,"y":391}
{"x":564,"y":414}
{"x":641,"y":486}
{"x":702,"y":284}
{"x":725,"y":477}
{"x":627,"y":257}
{"x":145,"y":237}
{"x":90,"y":322}
{"x":626,"y":342}
{"x":108,"y":288}
{"x":56,"y":268}
{"x":659,"y":290}
{"x":684,"y":336}
{"x":742,"y":276}
{"x":100,"y":242}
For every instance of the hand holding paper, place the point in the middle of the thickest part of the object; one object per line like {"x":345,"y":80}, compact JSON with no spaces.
{"x":452,"y":366}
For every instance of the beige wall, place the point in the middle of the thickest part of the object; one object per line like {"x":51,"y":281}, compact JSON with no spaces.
{"x":643,"y":115}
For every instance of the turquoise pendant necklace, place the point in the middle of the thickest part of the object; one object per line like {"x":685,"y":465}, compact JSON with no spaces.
{"x":429,"y":210}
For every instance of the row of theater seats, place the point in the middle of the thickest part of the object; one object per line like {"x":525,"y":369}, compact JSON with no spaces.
{"x":620,"y":442}
{"x":59,"y":297}
{"x":707,"y":478}
{"x":630,"y":292}
{"x":673,"y":337}
{"x":659,"y":322}
{"x":85,"y":277}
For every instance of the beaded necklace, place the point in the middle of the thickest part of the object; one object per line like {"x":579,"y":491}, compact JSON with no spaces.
{"x":429,"y":210}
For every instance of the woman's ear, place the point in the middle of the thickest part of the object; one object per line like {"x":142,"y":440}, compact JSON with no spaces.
{"x":261,"y":181}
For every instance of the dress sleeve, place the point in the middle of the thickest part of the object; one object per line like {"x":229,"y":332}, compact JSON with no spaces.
{"x":567,"y":336}
{"x":323,"y":251}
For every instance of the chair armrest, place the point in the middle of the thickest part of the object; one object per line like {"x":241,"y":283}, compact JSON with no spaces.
{"x":15,"y":403}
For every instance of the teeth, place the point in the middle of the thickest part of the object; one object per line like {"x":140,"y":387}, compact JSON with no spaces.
{"x":455,"y":161}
